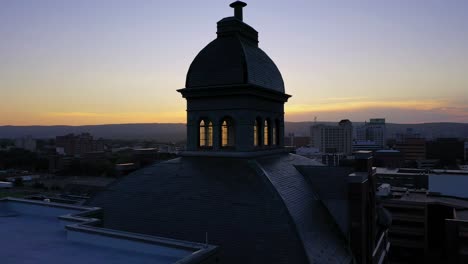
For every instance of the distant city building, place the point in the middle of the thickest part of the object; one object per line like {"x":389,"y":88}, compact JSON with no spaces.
{"x":413,"y":149}
{"x":27,"y":143}
{"x":409,"y":133}
{"x":427,"y":164}
{"x":310,"y":152}
{"x":389,"y":158}
{"x":443,"y":182}
{"x":77,"y":145}
{"x":449,"y":151}
{"x":333,"y":139}
{"x":373,"y":131}
{"x":296,"y":141}
{"x":366,"y":145}
{"x":426,"y":227}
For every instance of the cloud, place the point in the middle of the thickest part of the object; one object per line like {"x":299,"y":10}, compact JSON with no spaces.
{"x":74,"y":114}
{"x":348,"y":104}
{"x":91,"y":118}
{"x":393,"y":115}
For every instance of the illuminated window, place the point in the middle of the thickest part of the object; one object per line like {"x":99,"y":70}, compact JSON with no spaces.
{"x":257,"y":129}
{"x":265,"y":133}
{"x":227,"y":133}
{"x":209,"y":134}
{"x":202,"y":134}
{"x":224,"y":134}
{"x":273,"y":133}
{"x":206,"y":134}
{"x":277,"y":132}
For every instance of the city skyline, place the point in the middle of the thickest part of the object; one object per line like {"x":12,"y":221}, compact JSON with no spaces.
{"x":87,"y":62}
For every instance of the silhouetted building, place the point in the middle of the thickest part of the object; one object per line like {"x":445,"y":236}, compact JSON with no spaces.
{"x":365,"y":145}
{"x":77,"y":145}
{"x":444,"y":182}
{"x":296,"y":141}
{"x":373,"y":131}
{"x":333,"y":139}
{"x":404,"y":177}
{"x":27,"y":143}
{"x":409,"y":133}
{"x":348,"y":192}
{"x":456,"y":237}
{"x":413,"y":149}
{"x":388,"y":158}
{"x":449,"y":151}
{"x":235,"y":185}
{"x":422,"y":225}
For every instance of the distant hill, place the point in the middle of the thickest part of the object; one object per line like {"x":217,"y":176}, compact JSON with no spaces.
{"x":174,"y":132}
{"x":429,"y":130}
{"x":164,"y":132}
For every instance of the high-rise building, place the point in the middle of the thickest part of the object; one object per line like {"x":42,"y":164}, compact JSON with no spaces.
{"x":373,"y":133}
{"x":296,"y":141}
{"x":413,"y":149}
{"x":449,"y":151}
{"x":426,"y":227}
{"x":333,"y":139}
{"x":77,"y":145}
{"x":26,"y":142}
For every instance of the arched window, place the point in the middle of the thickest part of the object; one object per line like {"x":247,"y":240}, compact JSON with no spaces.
{"x":227,"y":133}
{"x":257,"y":129}
{"x":206,"y":134}
{"x":266,"y":134}
{"x":209,"y":134}
{"x":273,"y":134}
{"x":277,"y":132}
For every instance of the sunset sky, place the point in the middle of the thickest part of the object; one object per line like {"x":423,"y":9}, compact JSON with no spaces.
{"x":113,"y":61}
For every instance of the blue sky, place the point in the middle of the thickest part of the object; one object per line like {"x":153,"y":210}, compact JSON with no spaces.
{"x":93,"y":62}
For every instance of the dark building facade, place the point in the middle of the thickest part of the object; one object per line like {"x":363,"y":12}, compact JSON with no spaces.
{"x":236,"y":186}
{"x":388,"y":158}
{"x":296,"y":141}
{"x":77,"y":145}
{"x":449,"y":151}
{"x":413,"y":149}
{"x":235,"y":94}
{"x":425,"y":227}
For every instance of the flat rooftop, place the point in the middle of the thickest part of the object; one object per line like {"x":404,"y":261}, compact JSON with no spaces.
{"x":40,"y":232}
{"x":422,"y":197}
{"x":462,"y":214}
{"x":413,"y":171}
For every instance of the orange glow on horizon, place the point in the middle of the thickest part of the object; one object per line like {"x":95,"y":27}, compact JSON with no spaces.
{"x":343,"y":104}
{"x":89,"y":118}
{"x":328,"y":110}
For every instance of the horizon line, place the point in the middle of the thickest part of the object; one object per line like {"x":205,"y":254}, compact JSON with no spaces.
{"x":179,"y":123}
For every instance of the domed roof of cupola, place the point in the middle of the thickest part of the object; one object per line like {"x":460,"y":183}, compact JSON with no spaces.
{"x":234,"y":58}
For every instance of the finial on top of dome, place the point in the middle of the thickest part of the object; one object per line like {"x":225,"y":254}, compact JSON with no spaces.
{"x":238,"y":5}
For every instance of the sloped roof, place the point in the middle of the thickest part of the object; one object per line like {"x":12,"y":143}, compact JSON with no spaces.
{"x":258,"y":210}
{"x":330,"y":184}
